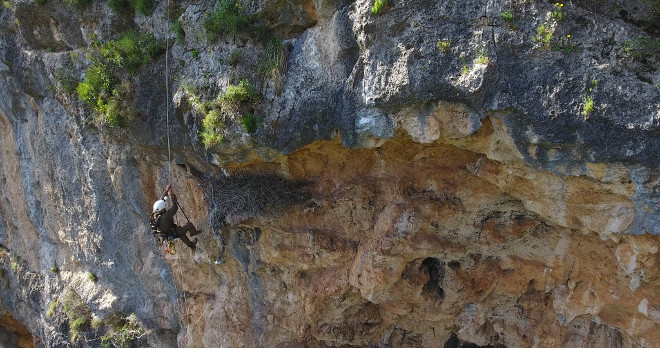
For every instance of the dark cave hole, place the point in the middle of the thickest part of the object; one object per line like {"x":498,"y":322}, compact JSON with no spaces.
{"x":436,"y":270}
{"x":454,"y":342}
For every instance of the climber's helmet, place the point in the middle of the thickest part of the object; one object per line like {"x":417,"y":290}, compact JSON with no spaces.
{"x":159,"y":206}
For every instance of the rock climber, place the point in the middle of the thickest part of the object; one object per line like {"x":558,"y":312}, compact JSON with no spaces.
{"x":162,"y":220}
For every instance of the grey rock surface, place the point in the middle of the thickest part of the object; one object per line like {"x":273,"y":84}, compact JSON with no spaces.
{"x":77,"y":196}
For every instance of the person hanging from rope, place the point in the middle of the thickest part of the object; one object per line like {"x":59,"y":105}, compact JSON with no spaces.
{"x":162,"y":221}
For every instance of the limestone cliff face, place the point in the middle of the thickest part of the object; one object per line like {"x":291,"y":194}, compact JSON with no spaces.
{"x":430,"y":175}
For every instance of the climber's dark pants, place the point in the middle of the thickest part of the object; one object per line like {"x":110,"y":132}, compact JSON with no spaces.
{"x":181,"y":234}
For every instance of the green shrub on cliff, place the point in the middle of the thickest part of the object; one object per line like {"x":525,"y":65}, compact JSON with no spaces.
{"x":51,"y":309}
{"x":120,"y":6}
{"x":179,"y":33}
{"x":130,"y":51}
{"x":78,"y":2}
{"x":237,"y":96}
{"x":212,"y":126}
{"x":378,"y":7}
{"x":588,"y":105}
{"x":544,"y":35}
{"x":227,"y":18}
{"x":641,"y":47}
{"x":123,"y":331}
{"x":77,"y":312}
{"x":105,"y":87}
{"x":237,"y":102}
{"x":143,"y":7}
{"x":443,"y":45}
{"x":249,"y":122}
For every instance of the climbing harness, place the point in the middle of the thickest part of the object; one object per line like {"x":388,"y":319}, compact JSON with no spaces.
{"x":164,"y":238}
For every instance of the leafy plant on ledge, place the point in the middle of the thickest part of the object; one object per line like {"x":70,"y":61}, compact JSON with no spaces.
{"x":227,"y":18}
{"x":443,"y":45}
{"x":589,"y":106}
{"x":482,"y":56}
{"x":249,"y":122}
{"x":212,"y":126}
{"x":106,"y":88}
{"x":378,"y":7}
{"x":179,"y":33}
{"x":123,"y":331}
{"x":238,"y":101}
{"x":558,"y":14}
{"x":642,"y":47}
{"x":77,"y":312}
{"x":143,"y":7}
{"x":509,"y":19}
{"x":543,"y":36}
{"x":465,"y":69}
{"x":566,"y":45}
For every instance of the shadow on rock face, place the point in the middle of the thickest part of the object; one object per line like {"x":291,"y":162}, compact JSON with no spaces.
{"x":14,"y":334}
{"x":454,"y":342}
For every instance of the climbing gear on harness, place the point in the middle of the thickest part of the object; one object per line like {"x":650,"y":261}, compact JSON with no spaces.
{"x":167,"y":238}
{"x":169,"y":245}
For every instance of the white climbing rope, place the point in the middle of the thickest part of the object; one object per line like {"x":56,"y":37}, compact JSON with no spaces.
{"x":167,"y":94}
{"x":182,"y":306}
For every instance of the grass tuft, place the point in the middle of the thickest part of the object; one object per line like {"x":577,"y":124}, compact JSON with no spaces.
{"x":77,"y":312}
{"x":443,"y":45}
{"x":126,"y":7}
{"x":642,"y":47}
{"x":78,"y":2}
{"x":143,"y":7}
{"x":179,"y":33}
{"x":482,"y":56}
{"x":378,"y":7}
{"x":274,"y":62}
{"x":227,"y":18}
{"x":51,"y":309}
{"x":249,"y":122}
{"x":235,"y":58}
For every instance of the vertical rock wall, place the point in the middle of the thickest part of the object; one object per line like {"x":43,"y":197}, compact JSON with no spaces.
{"x":395,"y":193}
